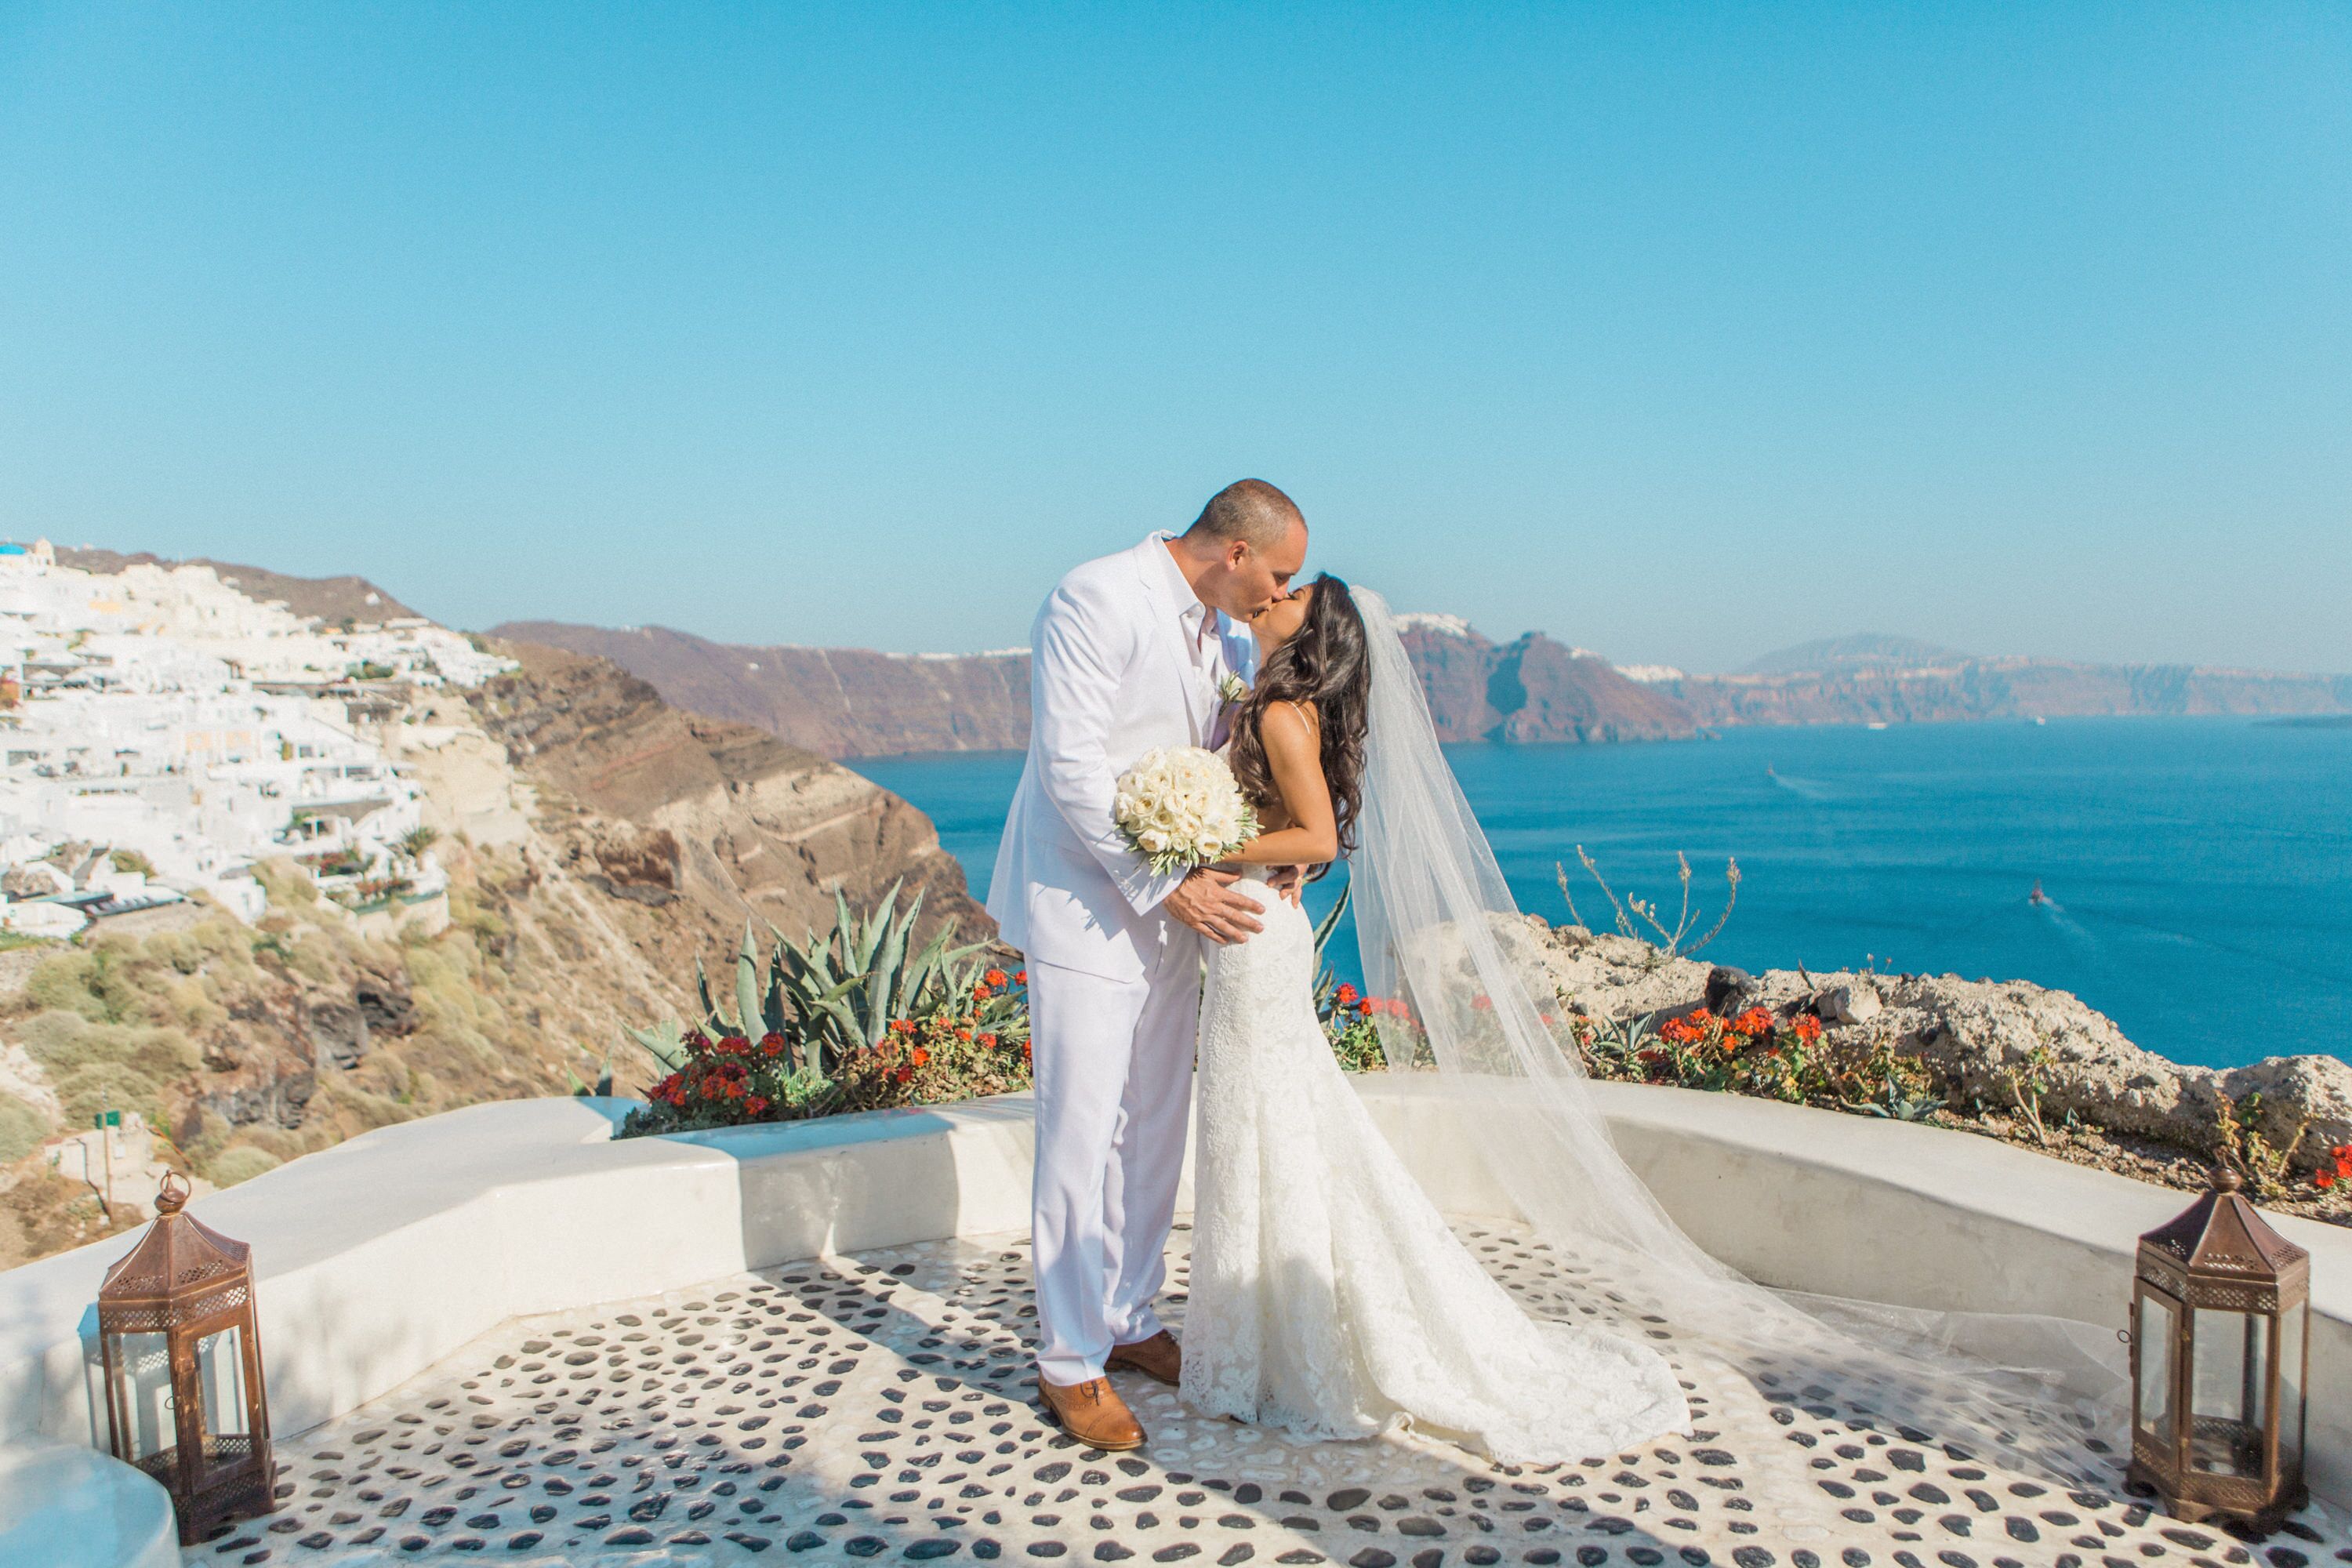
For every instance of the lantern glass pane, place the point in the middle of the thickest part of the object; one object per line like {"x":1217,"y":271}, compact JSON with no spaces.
{"x":2291,"y":1353}
{"x":2152,"y":1346}
{"x":2229,"y":1377}
{"x":144,"y":1378}
{"x":220,"y":1385}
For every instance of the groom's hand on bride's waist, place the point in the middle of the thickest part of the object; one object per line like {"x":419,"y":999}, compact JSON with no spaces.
{"x":1290,"y":881}
{"x":1206,"y":901}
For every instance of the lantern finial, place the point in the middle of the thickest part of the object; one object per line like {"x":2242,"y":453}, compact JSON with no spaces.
{"x":173,"y":1196}
{"x":2226,"y":1180}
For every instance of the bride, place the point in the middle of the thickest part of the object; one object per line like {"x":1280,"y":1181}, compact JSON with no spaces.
{"x":1327,"y":1295}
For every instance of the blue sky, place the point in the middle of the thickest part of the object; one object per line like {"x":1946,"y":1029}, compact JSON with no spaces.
{"x":1684,"y":332}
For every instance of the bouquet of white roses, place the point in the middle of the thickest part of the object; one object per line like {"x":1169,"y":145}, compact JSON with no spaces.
{"x":1181,"y":807}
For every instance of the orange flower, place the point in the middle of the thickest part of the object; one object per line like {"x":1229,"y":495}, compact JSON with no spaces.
{"x":1755,"y":1021}
{"x":988,"y":1042}
{"x":902,"y":1025}
{"x":2322,"y":1179}
{"x":981,"y":993}
{"x":1019,"y":977}
{"x":903,"y":1074}
{"x":1809,"y":1029}
{"x":757,"y":1105}
{"x":995,"y":978}
{"x":920,"y":1057}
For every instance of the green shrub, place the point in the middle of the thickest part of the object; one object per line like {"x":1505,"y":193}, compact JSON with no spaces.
{"x":69,"y":982}
{"x":239,"y":1163}
{"x":109,"y":1086}
{"x":63,"y":1042}
{"x":21,"y":1129}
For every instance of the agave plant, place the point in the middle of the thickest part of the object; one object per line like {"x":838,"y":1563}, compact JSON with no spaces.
{"x":1327,"y":979}
{"x":828,"y":996}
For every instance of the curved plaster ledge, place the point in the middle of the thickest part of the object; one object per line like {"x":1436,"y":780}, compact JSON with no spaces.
{"x":67,"y":1507}
{"x":384,"y":1255}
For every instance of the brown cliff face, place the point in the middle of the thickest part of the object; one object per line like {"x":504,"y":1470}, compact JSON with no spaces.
{"x":659,"y":804}
{"x":837,"y":702}
{"x":847,"y":702}
{"x":1533,"y":689}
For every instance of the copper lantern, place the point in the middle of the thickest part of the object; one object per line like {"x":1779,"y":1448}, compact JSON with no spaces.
{"x":182,"y":1368}
{"x":2221,"y":1339}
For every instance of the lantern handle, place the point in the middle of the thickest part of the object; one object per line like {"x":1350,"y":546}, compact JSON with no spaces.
{"x":173,"y":1194}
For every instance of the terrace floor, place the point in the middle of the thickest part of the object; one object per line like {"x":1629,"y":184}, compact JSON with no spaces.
{"x":879,"y":1406}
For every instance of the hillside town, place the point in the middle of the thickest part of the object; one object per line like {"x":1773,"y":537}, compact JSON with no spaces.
{"x":163,"y":732}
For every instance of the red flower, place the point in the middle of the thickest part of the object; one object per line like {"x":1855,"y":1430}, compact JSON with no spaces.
{"x":771,"y":1044}
{"x":2322,"y":1179}
{"x":902,"y":1025}
{"x":1482,"y":1004}
{"x":2344,"y":1165}
{"x":903,"y":1074}
{"x":1347,"y":995}
{"x":1019,"y":977}
{"x":730,"y":1045}
{"x":988,"y":1042}
{"x":920,"y":1057}
{"x":995,"y":977}
{"x":1809,"y":1029}
{"x":1755,"y":1021}
{"x":981,"y":993}
{"x":963,"y":1034}
{"x":757,"y":1105}
{"x":1026,"y":1054}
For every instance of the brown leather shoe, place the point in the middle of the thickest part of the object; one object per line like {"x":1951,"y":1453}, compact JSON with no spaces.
{"x":1093,"y":1413}
{"x":1158,"y":1357}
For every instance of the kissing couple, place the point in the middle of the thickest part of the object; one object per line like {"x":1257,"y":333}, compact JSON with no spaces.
{"x":1328,"y":1296}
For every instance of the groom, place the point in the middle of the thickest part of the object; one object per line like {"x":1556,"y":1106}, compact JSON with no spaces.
{"x":1126,"y":654}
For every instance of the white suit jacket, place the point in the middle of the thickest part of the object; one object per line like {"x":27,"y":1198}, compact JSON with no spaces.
{"x":1109,"y":677}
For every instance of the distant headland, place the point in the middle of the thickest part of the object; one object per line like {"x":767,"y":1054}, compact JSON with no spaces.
{"x":854,"y":702}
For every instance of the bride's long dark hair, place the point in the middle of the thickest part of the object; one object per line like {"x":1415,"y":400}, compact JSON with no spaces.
{"x":1324,"y":663}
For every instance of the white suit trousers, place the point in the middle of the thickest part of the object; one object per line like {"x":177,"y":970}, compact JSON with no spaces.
{"x":1113,"y":1060}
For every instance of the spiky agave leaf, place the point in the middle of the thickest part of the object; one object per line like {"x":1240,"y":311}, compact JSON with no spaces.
{"x":747,"y":985}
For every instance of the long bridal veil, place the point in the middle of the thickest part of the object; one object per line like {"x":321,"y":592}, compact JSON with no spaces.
{"x":1438,"y":927}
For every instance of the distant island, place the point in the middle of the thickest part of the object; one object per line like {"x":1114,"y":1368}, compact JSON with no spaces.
{"x":854,"y":702}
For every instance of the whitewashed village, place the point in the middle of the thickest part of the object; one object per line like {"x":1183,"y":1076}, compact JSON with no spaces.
{"x":164,"y":732}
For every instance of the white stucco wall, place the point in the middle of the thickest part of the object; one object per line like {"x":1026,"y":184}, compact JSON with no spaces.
{"x":380,"y":1257}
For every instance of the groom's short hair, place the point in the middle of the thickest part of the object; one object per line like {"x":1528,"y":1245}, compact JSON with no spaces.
{"x":1250,"y":510}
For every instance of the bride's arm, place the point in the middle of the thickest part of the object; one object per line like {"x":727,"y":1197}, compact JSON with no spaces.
{"x":1295,"y":756}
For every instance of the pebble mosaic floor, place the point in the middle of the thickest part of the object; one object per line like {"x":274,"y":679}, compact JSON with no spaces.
{"x":879,"y":1406}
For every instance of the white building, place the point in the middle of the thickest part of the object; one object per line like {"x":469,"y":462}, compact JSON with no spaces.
{"x":161,"y":713}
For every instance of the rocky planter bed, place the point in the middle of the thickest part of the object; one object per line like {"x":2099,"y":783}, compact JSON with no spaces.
{"x":2008,"y":1059}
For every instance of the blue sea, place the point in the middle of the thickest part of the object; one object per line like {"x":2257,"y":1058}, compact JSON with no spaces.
{"x":2198,"y":872}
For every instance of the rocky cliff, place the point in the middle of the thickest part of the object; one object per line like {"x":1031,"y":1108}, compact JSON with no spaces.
{"x":1894,"y":680}
{"x":2012,"y":1059}
{"x":1531,"y":690}
{"x":837,"y":702}
{"x":596,"y":839}
{"x":848,"y":702}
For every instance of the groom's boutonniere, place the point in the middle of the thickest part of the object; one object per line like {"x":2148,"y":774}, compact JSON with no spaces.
{"x":1232,"y":688}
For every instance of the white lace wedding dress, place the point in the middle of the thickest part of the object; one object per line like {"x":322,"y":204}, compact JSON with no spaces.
{"x":1327,"y":1295}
